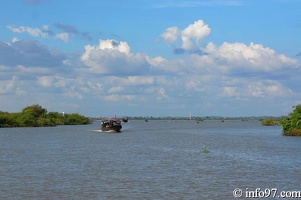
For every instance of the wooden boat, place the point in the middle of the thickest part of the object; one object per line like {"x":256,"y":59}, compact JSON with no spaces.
{"x":111,"y":125}
{"x":125,"y":119}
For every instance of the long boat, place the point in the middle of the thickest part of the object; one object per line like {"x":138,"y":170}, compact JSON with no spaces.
{"x":125,"y":119}
{"x":111,"y":125}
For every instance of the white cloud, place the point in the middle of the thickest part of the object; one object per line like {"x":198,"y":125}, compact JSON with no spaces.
{"x":194,"y":33}
{"x":140,"y":80}
{"x":7,"y":86}
{"x":10,"y":87}
{"x":115,"y":89}
{"x":15,"y":40}
{"x":230,"y":91}
{"x":63,"y":36}
{"x":268,"y":89}
{"x":114,"y":57}
{"x":171,"y":34}
{"x":196,"y":84}
{"x":45,"y":81}
{"x":35,"y":32}
{"x":190,"y":36}
{"x":117,"y":97}
{"x":238,"y":59}
{"x":227,"y":58}
{"x":114,"y":45}
{"x":248,"y":89}
{"x":60,"y":83}
{"x":255,"y":57}
{"x":162,"y":94}
{"x":46,"y":32}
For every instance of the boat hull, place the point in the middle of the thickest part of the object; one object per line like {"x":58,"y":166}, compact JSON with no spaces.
{"x":115,"y":128}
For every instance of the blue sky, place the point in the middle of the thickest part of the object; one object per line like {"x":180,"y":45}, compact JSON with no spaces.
{"x":151,"y":58}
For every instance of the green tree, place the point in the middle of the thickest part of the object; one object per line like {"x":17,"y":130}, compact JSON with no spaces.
{"x":57,"y":117}
{"x":26,"y":119}
{"x":75,"y":118}
{"x":7,"y":120}
{"x":291,"y":125}
{"x":34,"y":110}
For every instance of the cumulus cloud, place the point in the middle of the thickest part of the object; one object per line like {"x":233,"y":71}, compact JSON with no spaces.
{"x":194,"y":33}
{"x":191,"y":36}
{"x":248,"y":58}
{"x":113,"y":57}
{"x":234,"y":58}
{"x":171,"y":34}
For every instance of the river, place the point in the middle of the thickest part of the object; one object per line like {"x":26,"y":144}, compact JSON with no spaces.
{"x":147,"y":160}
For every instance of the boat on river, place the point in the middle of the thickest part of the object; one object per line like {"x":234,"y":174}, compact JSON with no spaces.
{"x":111,"y":125}
{"x":125,"y":119}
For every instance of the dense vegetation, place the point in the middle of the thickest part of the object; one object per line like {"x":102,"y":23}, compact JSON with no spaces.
{"x":269,"y":122}
{"x":36,"y":116}
{"x":291,"y":126}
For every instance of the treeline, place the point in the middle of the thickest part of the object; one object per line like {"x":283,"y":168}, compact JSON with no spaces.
{"x":195,"y":118}
{"x":36,"y":116}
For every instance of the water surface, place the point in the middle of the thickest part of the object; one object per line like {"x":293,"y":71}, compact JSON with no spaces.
{"x":148,"y":160}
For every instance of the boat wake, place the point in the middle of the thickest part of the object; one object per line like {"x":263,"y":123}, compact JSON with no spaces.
{"x":96,"y":130}
{"x":110,"y":131}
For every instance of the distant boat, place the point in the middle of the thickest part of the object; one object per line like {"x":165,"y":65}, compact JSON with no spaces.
{"x":111,"y":125}
{"x":125,"y":119}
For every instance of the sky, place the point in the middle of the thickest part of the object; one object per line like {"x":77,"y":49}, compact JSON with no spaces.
{"x":158,"y":58}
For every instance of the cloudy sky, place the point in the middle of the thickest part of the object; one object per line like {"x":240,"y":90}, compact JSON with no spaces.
{"x":151,"y":57}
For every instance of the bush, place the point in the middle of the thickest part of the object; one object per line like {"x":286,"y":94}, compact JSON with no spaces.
{"x":73,"y":119}
{"x":269,"y":122}
{"x":36,"y":116}
{"x":291,"y":126}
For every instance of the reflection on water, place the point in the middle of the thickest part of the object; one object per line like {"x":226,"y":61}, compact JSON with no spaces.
{"x":147,"y":160}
